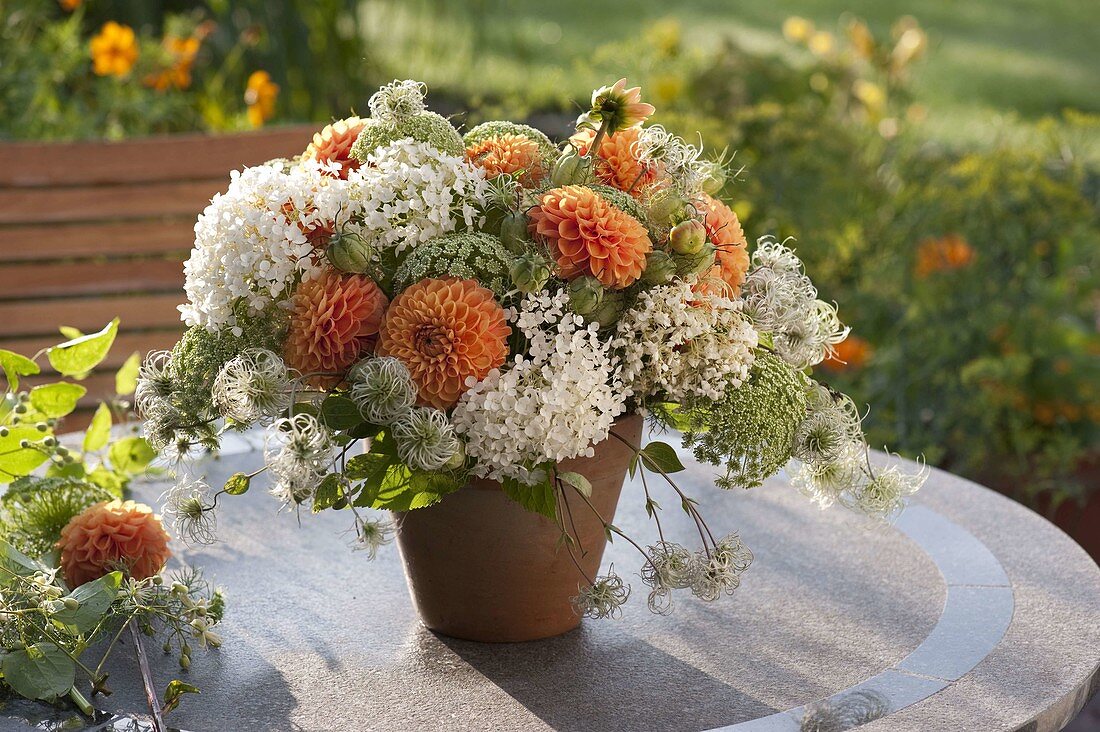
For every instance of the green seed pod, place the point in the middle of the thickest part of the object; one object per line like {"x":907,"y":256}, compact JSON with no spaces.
{"x":458,"y":460}
{"x":609,"y":310}
{"x":585,"y":295}
{"x":688,"y":237}
{"x":659,"y":268}
{"x":571,"y":168}
{"x":71,"y":603}
{"x":185,"y":662}
{"x":350,"y":253}
{"x":689,"y":265}
{"x":529,"y":273}
{"x":666,"y":207}
{"x":513,"y":232}
{"x":714,"y":177}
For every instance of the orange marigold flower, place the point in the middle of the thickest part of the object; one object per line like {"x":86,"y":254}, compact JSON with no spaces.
{"x":445,"y":331}
{"x":182,"y":53}
{"x":731,"y":256}
{"x":260,"y":96}
{"x":616,"y":164}
{"x":113,"y":535}
{"x":335,"y":320}
{"x":333,"y":144}
{"x":114,"y":50}
{"x":943,"y":254}
{"x":506,"y":154}
{"x":589,"y":236}
{"x":69,"y":5}
{"x":850,"y":353}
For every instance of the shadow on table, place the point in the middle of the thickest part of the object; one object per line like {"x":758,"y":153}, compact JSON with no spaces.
{"x":579,"y":683}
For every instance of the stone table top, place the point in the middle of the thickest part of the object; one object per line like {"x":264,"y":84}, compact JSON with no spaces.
{"x":969,"y":613}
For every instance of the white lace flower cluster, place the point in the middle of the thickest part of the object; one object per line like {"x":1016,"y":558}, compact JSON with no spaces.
{"x":781,"y":299}
{"x":250,"y":242}
{"x":675,"y":343}
{"x":408,"y":193}
{"x":552,"y":405}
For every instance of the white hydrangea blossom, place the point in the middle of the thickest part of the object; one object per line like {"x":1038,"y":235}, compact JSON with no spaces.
{"x":677,"y":343}
{"x":408,"y":193}
{"x":553,"y":405}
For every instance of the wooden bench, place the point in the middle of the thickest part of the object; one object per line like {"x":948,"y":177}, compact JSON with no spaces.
{"x":94,"y":230}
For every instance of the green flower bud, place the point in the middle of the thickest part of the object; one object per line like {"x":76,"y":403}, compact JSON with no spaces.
{"x":350,"y":253}
{"x":714,"y":177}
{"x":666,"y":206}
{"x":585,"y":295}
{"x":71,"y":603}
{"x":688,"y":265}
{"x":513,"y":232}
{"x":688,"y":237}
{"x":571,"y":168}
{"x":41,"y":427}
{"x":529,"y":273}
{"x":659,"y":268}
{"x":609,"y":310}
{"x":185,"y":662}
{"x":458,"y":460}
{"x":21,"y":409}
{"x":4,"y":432}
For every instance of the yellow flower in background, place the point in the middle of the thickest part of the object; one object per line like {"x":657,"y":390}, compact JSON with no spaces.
{"x":667,"y":88}
{"x":870,"y":95}
{"x":182,"y":53}
{"x":69,"y":5}
{"x":861,"y":38}
{"x":797,"y":30}
{"x":260,"y":97}
{"x":665,"y":36}
{"x":114,"y":50}
{"x":822,"y":43}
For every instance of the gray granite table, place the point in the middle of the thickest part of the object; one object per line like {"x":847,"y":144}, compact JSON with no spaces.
{"x":970,"y":613}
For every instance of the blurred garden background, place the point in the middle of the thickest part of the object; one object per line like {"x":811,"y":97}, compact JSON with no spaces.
{"x":938,"y":163}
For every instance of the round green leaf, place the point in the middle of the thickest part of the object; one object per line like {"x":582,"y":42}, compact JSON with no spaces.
{"x":80,"y":355}
{"x":238,"y":484}
{"x":15,"y":460}
{"x":41,"y":671}
{"x":15,"y":366}
{"x":99,"y":431}
{"x":131,"y":455}
{"x":56,"y":400}
{"x":127,"y":376}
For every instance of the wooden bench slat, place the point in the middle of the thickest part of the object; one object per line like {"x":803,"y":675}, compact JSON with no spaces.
{"x":178,"y":157}
{"x":60,"y":241}
{"x":132,"y":201}
{"x":19,"y":281}
{"x":89,"y":315}
{"x":125,"y":344}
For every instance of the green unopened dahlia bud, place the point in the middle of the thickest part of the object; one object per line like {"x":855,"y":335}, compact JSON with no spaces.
{"x":688,"y":237}
{"x":513,"y":232}
{"x":659,"y":268}
{"x":609,"y":309}
{"x":571,"y":168}
{"x":529,"y":273}
{"x":585,"y":295}
{"x":350,"y":253}
{"x":688,"y":265}
{"x":714,"y":177}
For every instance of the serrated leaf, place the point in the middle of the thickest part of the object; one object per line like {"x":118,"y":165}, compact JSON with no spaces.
{"x":131,"y":455}
{"x":15,"y":460}
{"x":175,"y":691}
{"x":14,"y":366}
{"x":238,"y":484}
{"x":126,"y":377}
{"x":540,"y":498}
{"x":56,"y":400}
{"x":80,"y":355}
{"x":340,"y":413}
{"x":661,"y":457}
{"x":578,"y":481}
{"x":94,"y":598}
{"x":41,"y":671}
{"x":99,"y":430}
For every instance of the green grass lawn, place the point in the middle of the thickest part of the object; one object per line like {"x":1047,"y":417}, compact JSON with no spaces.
{"x":992,"y":64}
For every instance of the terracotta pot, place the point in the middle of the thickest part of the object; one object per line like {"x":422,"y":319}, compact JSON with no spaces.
{"x":483,"y":568}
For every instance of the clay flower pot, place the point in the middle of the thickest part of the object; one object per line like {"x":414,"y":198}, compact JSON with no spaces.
{"x":483,"y":568}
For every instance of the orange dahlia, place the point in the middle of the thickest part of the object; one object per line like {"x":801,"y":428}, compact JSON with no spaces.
{"x":617,"y":165}
{"x":943,"y":254}
{"x":589,"y":236}
{"x":445,"y":331}
{"x":335,"y":320}
{"x":850,"y":353}
{"x":505,"y":154}
{"x":317,"y":234}
{"x":731,"y":257}
{"x":113,"y":535}
{"x":333,"y":144}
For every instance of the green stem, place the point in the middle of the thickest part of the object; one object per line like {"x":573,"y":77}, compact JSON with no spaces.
{"x":82,"y":702}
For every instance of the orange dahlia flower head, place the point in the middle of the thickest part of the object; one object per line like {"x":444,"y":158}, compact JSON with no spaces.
{"x":445,"y":331}
{"x":851,"y":353}
{"x":113,"y":535}
{"x":616,"y":163}
{"x":731,"y":256}
{"x":334,"y":321}
{"x":507,"y":154}
{"x":333,"y":144}
{"x":589,"y":236}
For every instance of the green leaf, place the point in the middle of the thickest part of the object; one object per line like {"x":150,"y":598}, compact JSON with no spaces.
{"x":364,"y":431}
{"x":108,"y":480}
{"x":126,"y":377}
{"x":238,"y":484}
{"x":175,"y":691}
{"x":15,"y":366}
{"x":661,"y":457}
{"x":56,"y":400}
{"x":340,"y":413}
{"x":540,"y":498}
{"x":81,"y":355}
{"x":368,"y":466}
{"x":99,"y":431}
{"x":578,"y":481}
{"x":15,"y":460}
{"x":41,"y":671}
{"x":131,"y":455}
{"x":95,"y":598}
{"x":15,"y":563}
{"x":327,"y":493}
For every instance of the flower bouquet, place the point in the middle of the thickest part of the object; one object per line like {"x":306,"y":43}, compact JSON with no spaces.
{"x":466,"y":331}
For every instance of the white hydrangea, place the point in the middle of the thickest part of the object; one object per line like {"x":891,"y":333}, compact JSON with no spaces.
{"x":676,"y":343}
{"x":552,"y":406}
{"x":250,"y":242}
{"x":408,"y":193}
